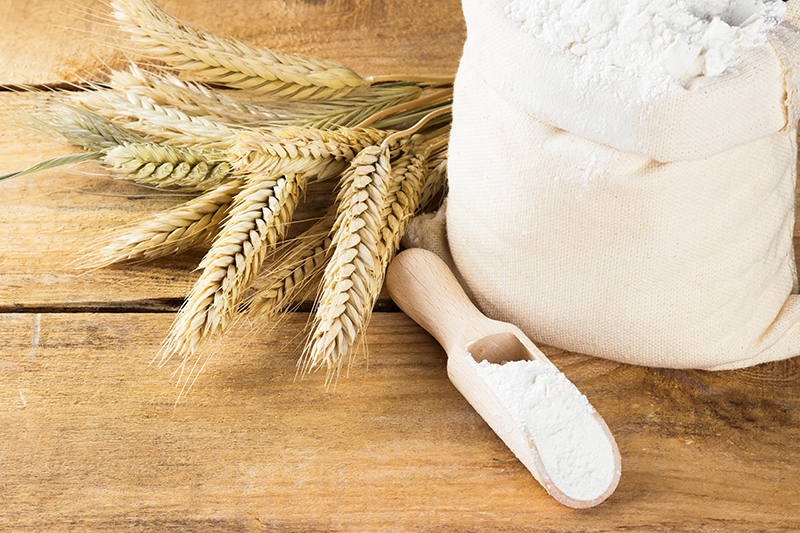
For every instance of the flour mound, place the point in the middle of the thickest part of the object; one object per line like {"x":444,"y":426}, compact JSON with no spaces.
{"x":661,"y":41}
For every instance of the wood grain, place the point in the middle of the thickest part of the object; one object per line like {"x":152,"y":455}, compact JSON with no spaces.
{"x":44,"y":42}
{"x":50,"y":219}
{"x":92,"y":438}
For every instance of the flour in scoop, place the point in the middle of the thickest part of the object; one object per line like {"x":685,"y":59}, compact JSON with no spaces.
{"x":560,"y":420}
{"x":659,"y":41}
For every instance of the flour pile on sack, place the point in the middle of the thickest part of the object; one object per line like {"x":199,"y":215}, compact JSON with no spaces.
{"x":622,"y":176}
{"x":656,"y":41}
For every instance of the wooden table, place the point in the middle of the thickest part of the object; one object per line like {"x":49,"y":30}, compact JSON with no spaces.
{"x":92,"y":439}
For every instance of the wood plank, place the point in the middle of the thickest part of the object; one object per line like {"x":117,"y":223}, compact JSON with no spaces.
{"x":94,"y":442}
{"x":50,"y":219}
{"x":372,"y":37}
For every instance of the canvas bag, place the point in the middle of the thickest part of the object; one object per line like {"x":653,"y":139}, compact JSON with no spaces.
{"x":656,"y":234}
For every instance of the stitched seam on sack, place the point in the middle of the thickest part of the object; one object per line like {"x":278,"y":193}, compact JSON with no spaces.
{"x":788,"y":82}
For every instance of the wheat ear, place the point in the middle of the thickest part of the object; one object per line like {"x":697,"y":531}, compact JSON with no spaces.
{"x":436,"y":180}
{"x":348,"y":111}
{"x":229,"y":61}
{"x":403,"y":200}
{"x":198,"y":100}
{"x":167,"y":166}
{"x":166,"y":233}
{"x":305,"y":151}
{"x":301,"y":261}
{"x":192,"y":98}
{"x":76,"y":126}
{"x":349,"y":286}
{"x":157,"y":123}
{"x":257,"y":221}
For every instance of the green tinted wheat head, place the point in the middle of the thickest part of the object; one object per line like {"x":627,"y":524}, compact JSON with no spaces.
{"x":167,"y":166}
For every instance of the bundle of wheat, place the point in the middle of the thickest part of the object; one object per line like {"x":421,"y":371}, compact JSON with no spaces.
{"x":246,"y":129}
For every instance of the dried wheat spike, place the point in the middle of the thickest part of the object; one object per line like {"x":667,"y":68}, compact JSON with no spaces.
{"x":194,"y":99}
{"x":157,"y":123}
{"x":240,"y":108}
{"x":167,"y":166}
{"x":302,"y":260}
{"x":348,"y":111}
{"x":166,"y":233}
{"x":403,"y":200}
{"x":349,"y":287}
{"x":257,"y":221}
{"x":229,"y":61}
{"x":304,"y":151}
{"x":436,"y":179}
{"x":88,"y":130}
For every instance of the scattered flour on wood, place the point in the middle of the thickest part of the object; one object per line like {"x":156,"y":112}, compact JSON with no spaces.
{"x":560,"y":420}
{"x":658,"y":41}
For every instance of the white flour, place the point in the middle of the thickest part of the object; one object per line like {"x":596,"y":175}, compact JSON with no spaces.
{"x":559,"y":419}
{"x":657,"y":41}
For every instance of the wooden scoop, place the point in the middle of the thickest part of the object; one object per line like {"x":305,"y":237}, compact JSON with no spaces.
{"x":422,"y":285}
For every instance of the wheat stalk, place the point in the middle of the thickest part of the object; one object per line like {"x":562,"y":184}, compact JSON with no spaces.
{"x":349,"y":283}
{"x":304,"y":151}
{"x":166,"y":233}
{"x":167,"y":166}
{"x":257,"y":221}
{"x":157,"y":123}
{"x":229,"y":61}
{"x":301,"y":261}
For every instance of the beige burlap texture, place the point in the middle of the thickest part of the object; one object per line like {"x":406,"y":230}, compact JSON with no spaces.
{"x":649,"y":231}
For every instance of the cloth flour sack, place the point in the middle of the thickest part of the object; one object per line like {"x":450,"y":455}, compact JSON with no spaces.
{"x":622,"y":176}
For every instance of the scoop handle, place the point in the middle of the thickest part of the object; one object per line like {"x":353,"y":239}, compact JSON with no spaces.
{"x":423,"y":286}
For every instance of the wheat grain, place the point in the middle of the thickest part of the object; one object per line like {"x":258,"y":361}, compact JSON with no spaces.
{"x":167,"y":166}
{"x":229,"y":61}
{"x":257,"y":221}
{"x":298,"y":263}
{"x":157,"y":123}
{"x":166,"y":233}
{"x":304,"y":151}
{"x":349,"y":282}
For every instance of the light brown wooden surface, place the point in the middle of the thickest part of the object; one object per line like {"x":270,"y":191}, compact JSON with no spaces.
{"x":93,"y":441}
